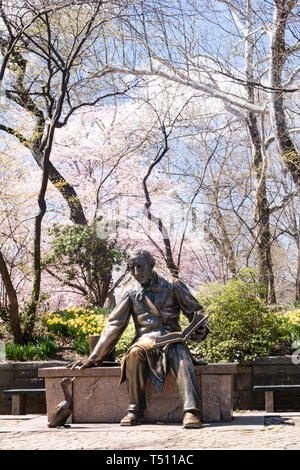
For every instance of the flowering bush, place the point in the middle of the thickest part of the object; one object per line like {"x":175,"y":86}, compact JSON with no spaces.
{"x":76,"y":322}
{"x":293,"y":318}
{"x":291,"y":321}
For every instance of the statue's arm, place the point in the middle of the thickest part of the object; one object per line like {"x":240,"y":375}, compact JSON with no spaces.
{"x":116,"y":324}
{"x":189,"y":305}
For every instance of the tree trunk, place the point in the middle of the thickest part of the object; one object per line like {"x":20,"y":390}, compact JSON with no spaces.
{"x":279,"y":55}
{"x":224,"y":247}
{"x":37,"y":275}
{"x":226,"y":244}
{"x":31,"y":311}
{"x":266,"y":275}
{"x":13,"y":302}
{"x":66,"y":190}
{"x":100,"y":289}
{"x":262,"y":212}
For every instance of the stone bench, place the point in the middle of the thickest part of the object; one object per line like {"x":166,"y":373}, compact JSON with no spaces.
{"x":97,"y":397}
{"x":18,"y":403}
{"x":269,"y":393}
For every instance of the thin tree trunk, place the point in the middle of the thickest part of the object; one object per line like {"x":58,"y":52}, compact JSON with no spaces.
{"x":31,"y":311}
{"x":224,"y":246}
{"x":13,"y":302}
{"x":262,"y":218}
{"x":167,"y":253}
{"x":105,"y":283}
{"x":262,"y":210}
{"x":67,"y":191}
{"x":228,"y":249}
{"x":279,"y":55}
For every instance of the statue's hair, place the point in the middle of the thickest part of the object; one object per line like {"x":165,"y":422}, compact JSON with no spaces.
{"x":144,"y":253}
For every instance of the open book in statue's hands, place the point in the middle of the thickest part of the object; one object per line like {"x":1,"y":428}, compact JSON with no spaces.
{"x":180,"y":336}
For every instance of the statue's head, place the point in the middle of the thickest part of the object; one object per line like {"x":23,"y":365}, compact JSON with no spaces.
{"x":140,"y":265}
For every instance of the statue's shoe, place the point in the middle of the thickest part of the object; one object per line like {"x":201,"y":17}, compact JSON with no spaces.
{"x":191,"y":421}
{"x":130,"y":419}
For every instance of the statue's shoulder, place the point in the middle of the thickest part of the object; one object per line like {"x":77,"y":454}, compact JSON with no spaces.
{"x":132,"y":290}
{"x":179,"y":283}
{"x":170,"y":283}
{"x":180,"y":287}
{"x":163,"y":282}
{"x":127,"y":289}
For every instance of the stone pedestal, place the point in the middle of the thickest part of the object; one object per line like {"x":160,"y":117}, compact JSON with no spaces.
{"x":98,"y":398}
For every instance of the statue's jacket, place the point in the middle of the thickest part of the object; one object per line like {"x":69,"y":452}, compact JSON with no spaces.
{"x":169,"y":298}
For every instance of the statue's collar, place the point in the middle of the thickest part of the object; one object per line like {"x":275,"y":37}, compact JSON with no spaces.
{"x":152,"y":286}
{"x":152,"y":283}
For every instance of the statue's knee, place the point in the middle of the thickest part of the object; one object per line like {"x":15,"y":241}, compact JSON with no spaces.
{"x":137,"y":354}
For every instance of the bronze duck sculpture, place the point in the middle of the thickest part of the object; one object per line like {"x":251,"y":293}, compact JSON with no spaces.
{"x":64,"y":409}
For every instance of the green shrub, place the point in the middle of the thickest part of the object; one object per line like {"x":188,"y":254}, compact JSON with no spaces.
{"x":126,"y":340}
{"x":14,"y":352}
{"x":82,"y":257}
{"x":81,"y":346}
{"x":43,"y":349}
{"x":241,"y":325}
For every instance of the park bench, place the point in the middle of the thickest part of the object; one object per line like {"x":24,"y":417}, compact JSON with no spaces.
{"x":19,"y":398}
{"x":269,"y":393}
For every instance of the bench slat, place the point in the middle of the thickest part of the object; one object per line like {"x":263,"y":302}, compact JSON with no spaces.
{"x":24,"y":391}
{"x":273,"y":388}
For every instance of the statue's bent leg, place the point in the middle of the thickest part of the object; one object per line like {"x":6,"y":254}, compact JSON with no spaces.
{"x":181,"y":364}
{"x":136,"y":376}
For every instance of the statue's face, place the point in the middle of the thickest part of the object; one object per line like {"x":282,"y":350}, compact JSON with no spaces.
{"x":140,"y":269}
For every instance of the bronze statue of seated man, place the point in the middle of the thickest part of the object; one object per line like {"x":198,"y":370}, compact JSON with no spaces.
{"x":155,"y":307}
